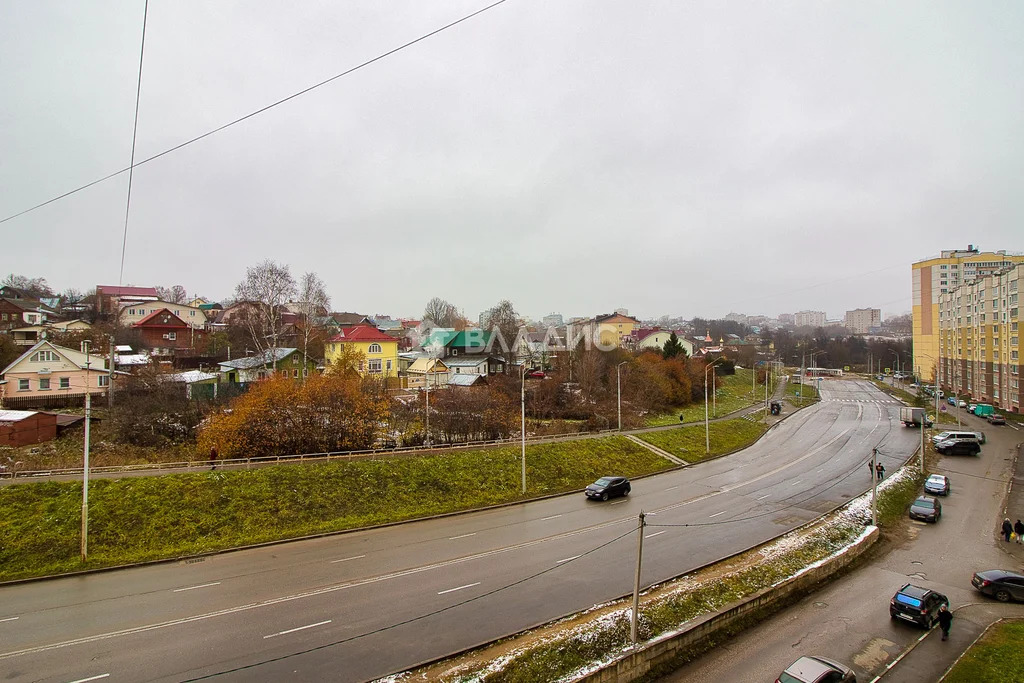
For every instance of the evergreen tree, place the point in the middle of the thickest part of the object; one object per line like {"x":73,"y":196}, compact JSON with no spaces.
{"x":673,"y":347}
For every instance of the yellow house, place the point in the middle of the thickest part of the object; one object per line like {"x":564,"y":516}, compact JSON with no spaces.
{"x":379,"y":351}
{"x":611,"y":329}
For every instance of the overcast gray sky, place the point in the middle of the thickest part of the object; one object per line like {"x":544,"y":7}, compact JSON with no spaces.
{"x":684,"y":158}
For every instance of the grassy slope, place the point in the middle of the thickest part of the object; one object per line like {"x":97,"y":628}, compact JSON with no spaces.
{"x":689,"y":442}
{"x":996,"y":658}
{"x":733,"y":394}
{"x":145,"y":518}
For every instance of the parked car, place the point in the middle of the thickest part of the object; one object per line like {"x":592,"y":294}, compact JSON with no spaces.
{"x":608,"y":487}
{"x":983,"y":410}
{"x":817,"y":670}
{"x":914,"y":385}
{"x":996,"y":419}
{"x":958,"y":446}
{"x":1001,"y":585}
{"x":926,"y":508}
{"x":536,"y":374}
{"x":951,"y":400}
{"x":937,"y":484}
{"x":942,"y":436}
{"x":963,"y":403}
{"x":917,"y":605}
{"x":980,"y":436}
{"x":971,"y":407}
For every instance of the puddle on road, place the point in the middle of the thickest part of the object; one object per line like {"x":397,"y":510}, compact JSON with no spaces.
{"x":874,"y":654}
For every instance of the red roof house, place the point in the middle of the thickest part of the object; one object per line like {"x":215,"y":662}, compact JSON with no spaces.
{"x":164,"y":330}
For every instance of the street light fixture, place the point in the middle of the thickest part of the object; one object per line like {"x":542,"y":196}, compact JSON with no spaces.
{"x":618,"y":390}
{"x":707,"y":426}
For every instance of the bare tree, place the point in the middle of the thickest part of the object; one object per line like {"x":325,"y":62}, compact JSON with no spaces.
{"x":33,"y":287}
{"x":504,"y":322}
{"x":441,"y":313}
{"x":267,"y":287}
{"x":172,"y":295}
{"x":313,"y":303}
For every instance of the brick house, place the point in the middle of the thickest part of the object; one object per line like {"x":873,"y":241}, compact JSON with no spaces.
{"x":165,"y":332}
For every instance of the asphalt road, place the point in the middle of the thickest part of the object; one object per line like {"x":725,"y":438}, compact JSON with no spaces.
{"x":849,"y":620}
{"x":356,"y":606}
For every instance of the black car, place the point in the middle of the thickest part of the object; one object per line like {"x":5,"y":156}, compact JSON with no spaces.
{"x":926,"y":508}
{"x":996,"y":419}
{"x":937,"y":484}
{"x":1001,"y":585}
{"x":918,"y":605}
{"x":958,"y":447}
{"x":608,"y":487}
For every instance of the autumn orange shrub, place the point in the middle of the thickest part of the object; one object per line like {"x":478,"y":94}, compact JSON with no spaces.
{"x":279,"y":416}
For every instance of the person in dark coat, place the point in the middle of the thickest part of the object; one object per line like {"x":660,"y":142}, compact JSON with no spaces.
{"x":1018,"y":529}
{"x":945,"y":621}
{"x":880,"y":470}
{"x":1007,"y":529}
{"x":213,"y":457}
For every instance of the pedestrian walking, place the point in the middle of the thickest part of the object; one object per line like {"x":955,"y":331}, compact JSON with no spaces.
{"x":1018,"y":529}
{"x":945,"y":621}
{"x":871,"y":468}
{"x":880,"y":470}
{"x":213,"y":458}
{"x":1007,"y":529}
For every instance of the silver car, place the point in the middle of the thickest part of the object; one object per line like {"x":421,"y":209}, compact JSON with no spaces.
{"x":817,"y":670}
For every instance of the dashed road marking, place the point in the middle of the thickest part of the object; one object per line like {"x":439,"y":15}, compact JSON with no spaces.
{"x":10,"y":619}
{"x":455,"y":538}
{"x":656,"y":533}
{"x":544,"y":519}
{"x":346,"y":559}
{"x":569,"y":559}
{"x":717,"y":513}
{"x":293,"y":630}
{"x":452,"y":590}
{"x":91,"y":678}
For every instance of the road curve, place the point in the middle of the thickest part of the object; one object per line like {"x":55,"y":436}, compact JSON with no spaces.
{"x":356,"y":606}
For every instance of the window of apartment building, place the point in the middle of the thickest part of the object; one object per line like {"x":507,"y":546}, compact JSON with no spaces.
{"x":1013,"y":341}
{"x":942,"y":267}
{"x":65,"y":382}
{"x":374,"y":348}
{"x":943,"y":283}
{"x":374,"y":364}
{"x":44,"y":384}
{"x":23,"y":385}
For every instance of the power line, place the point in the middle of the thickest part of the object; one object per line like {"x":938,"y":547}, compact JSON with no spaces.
{"x":135,"y":131}
{"x":258,"y":111}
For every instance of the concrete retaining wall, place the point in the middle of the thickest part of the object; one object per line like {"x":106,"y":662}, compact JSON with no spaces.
{"x":663,"y":654}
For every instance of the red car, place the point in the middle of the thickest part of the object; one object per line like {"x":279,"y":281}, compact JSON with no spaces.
{"x":536,"y":374}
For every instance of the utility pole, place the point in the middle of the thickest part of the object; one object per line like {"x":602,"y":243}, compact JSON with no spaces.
{"x":636,"y":581}
{"x":110,"y":377}
{"x":85,"y":469}
{"x":874,"y":487}
{"x":522,"y":399}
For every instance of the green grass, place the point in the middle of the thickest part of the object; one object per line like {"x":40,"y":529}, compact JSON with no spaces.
{"x":995,"y":658}
{"x":689,"y":443}
{"x":802,"y":394}
{"x":135,"y":519}
{"x":733,"y":394}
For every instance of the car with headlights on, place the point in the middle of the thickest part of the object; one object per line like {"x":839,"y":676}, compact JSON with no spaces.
{"x":937,"y":484}
{"x":815,"y":669}
{"x":926,"y":508}
{"x":999,"y":584}
{"x":608,"y":487}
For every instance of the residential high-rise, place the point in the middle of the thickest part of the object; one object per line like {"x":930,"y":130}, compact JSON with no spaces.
{"x":809,"y":319}
{"x":863,"y":320}
{"x":936,"y":276}
{"x":979,"y":339}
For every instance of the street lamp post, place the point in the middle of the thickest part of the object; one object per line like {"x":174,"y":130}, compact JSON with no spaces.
{"x":85,"y":468}
{"x":707,"y":424}
{"x":522,"y":407}
{"x":618,"y":390}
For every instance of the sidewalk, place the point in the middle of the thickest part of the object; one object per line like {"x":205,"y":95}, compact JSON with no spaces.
{"x":929,"y":657}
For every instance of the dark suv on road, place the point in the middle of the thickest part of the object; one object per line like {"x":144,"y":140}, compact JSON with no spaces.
{"x":917,"y":605}
{"x":608,"y":487}
{"x":959,"y":446}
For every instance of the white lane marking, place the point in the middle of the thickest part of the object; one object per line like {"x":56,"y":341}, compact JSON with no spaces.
{"x":819,"y":471}
{"x":716,"y":514}
{"x":10,"y":619}
{"x":293,"y":630}
{"x":452,"y":590}
{"x":91,"y":678}
{"x":671,"y":488}
{"x":544,"y":519}
{"x":619,"y":502}
{"x":192,"y":588}
{"x":346,"y":559}
{"x":795,"y":482}
{"x":569,"y":559}
{"x":455,"y":538}
{"x":656,"y":533}
{"x":1011,"y":426}
{"x":764,"y":496}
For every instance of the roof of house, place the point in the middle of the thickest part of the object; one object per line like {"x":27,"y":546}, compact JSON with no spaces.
{"x":466,"y":380}
{"x":609,"y":316}
{"x":191,"y":376}
{"x":76,"y":358}
{"x":112,"y":290}
{"x":428,"y":365}
{"x":467,"y":361}
{"x":361,"y":333}
{"x":151,"y":320}
{"x":132,"y":359}
{"x":439,"y":336}
{"x":259,"y":359}
{"x":470,"y":339}
{"x":15,"y":415}
{"x":345,"y":318}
